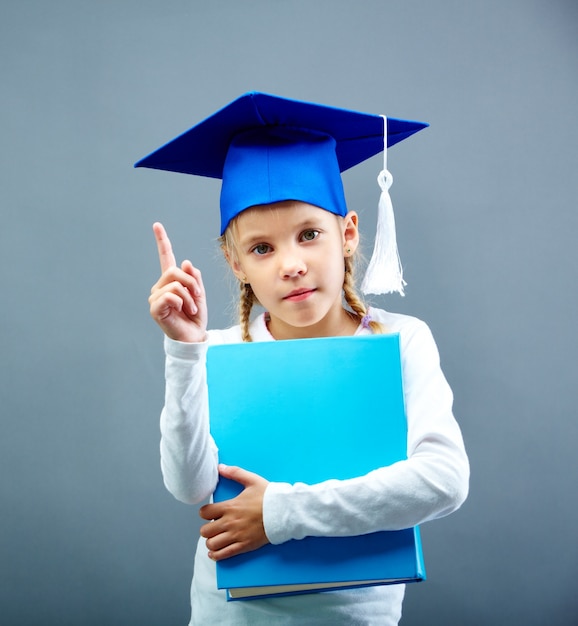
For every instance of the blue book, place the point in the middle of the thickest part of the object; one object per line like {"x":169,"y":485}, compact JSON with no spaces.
{"x":309,"y":410}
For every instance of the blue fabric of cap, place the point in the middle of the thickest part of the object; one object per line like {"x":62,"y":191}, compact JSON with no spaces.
{"x":275,"y":164}
{"x":267,"y":148}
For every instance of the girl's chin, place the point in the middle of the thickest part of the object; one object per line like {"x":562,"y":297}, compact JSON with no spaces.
{"x":300,"y":327}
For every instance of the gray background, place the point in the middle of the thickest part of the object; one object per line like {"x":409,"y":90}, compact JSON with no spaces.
{"x":486,"y":210}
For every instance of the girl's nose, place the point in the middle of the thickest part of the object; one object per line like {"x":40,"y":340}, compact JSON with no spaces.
{"x":292,"y":265}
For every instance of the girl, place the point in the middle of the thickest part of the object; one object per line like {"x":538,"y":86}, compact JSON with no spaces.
{"x":290,"y":241}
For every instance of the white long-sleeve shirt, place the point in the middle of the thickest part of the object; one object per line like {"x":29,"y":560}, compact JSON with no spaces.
{"x":431,"y":483}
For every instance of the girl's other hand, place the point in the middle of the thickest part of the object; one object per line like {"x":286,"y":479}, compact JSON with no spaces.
{"x":237,"y":524}
{"x":177,"y":301}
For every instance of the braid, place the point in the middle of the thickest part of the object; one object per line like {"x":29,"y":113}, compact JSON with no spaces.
{"x":353,"y":300}
{"x":351,"y":297}
{"x":228,"y":241}
{"x":245,"y":306}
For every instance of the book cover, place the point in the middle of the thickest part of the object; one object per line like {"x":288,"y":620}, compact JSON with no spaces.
{"x":309,"y":410}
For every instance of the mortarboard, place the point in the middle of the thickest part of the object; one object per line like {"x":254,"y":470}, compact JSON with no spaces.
{"x":268,"y":149}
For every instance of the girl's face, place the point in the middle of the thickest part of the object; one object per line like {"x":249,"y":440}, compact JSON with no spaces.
{"x":292,"y":254}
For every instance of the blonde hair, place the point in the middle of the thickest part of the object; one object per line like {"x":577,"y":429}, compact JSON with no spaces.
{"x":358,"y":308}
{"x":354,"y":301}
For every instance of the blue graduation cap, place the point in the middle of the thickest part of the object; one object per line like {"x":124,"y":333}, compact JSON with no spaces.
{"x":269,"y":149}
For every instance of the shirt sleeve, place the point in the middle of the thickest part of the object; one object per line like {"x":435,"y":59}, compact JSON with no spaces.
{"x":431,"y":483}
{"x":188,"y":452}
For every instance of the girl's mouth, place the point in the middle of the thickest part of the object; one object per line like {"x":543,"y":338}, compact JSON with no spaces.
{"x":297,"y":295}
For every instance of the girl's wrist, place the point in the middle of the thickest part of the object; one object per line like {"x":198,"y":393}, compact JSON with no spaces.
{"x":185,"y":349}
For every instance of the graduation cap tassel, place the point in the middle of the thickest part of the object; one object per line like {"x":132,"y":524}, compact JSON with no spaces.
{"x":384,"y":273}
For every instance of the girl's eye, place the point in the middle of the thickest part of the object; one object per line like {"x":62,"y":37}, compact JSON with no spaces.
{"x":261,"y":249}
{"x":309,"y":235}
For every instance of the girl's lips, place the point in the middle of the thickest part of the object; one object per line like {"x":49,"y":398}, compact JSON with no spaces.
{"x":299,"y":294}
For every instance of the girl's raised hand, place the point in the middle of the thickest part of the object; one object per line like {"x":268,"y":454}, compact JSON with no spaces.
{"x":177,"y":301}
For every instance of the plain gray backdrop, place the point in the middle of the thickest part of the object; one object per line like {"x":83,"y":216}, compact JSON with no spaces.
{"x":485,"y":203}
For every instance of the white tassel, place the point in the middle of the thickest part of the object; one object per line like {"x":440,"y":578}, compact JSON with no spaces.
{"x":384,"y":273}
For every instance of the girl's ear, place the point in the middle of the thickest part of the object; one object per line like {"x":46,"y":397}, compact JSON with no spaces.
{"x":235,"y":265}
{"x":350,"y":233}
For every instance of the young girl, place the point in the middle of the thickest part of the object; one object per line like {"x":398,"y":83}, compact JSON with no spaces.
{"x":290,"y":241}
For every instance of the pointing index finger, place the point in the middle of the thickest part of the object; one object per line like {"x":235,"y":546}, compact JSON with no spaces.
{"x":166,"y":256}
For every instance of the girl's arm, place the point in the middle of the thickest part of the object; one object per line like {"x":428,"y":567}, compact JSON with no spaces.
{"x":431,"y":483}
{"x":178,"y":305}
{"x":188,"y":453}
